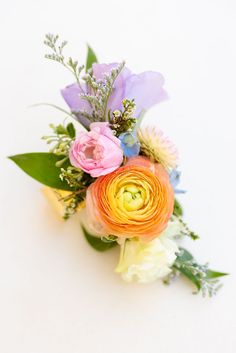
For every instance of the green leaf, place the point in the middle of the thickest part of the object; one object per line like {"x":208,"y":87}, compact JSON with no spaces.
{"x":181,"y":264}
{"x":184,"y":256}
{"x":178,"y":210}
{"x":41,"y":166}
{"x":71,"y":130}
{"x":190,"y":276}
{"x":91,"y":58}
{"x":216,"y":274}
{"x":97,"y":243}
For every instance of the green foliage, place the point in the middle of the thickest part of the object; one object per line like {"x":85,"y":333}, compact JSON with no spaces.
{"x":62,"y":138}
{"x":75,"y":177}
{"x":99,"y":244}
{"x":57,"y":54}
{"x":42,"y":167}
{"x":178,"y":210}
{"x":91,"y":58}
{"x":205,"y":280}
{"x":186,"y":231}
{"x":215,"y":274}
{"x":71,"y":130}
{"x":57,"y":49}
{"x":122,"y":121}
{"x":79,"y":181}
{"x":184,"y":228}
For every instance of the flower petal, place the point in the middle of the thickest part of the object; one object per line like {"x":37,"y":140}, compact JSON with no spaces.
{"x":71,"y":94}
{"x":146,"y":88}
{"x":118,"y":93}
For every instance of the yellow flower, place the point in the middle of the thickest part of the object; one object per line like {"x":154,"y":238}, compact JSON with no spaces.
{"x":55,"y":196}
{"x":131,"y":201}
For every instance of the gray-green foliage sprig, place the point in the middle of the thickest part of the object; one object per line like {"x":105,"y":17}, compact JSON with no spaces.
{"x":208,"y":286}
{"x":177,"y":215}
{"x":100,"y":92}
{"x":57,"y":54}
{"x":185,"y":230}
{"x":206,"y":281}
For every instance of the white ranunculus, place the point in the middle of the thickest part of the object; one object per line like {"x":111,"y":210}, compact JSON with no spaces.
{"x":145,"y":262}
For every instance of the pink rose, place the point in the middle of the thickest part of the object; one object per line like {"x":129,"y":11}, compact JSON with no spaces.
{"x":97,"y":151}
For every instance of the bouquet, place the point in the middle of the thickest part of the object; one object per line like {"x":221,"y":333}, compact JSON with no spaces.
{"x":122,"y":174}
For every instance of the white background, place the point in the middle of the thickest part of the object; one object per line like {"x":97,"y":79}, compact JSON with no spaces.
{"x":56,"y":293}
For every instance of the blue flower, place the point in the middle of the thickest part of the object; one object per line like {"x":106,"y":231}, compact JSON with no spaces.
{"x":174,"y":180}
{"x":129,"y":144}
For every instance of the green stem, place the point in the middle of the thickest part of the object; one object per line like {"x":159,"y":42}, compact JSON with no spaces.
{"x":53,"y":106}
{"x":72,"y":194}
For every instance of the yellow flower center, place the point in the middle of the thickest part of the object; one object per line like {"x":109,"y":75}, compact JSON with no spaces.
{"x":130,"y":197}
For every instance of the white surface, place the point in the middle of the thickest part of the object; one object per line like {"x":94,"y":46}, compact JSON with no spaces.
{"x":56,"y":293}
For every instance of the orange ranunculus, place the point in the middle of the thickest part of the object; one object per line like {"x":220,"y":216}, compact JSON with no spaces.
{"x":135,"y":200}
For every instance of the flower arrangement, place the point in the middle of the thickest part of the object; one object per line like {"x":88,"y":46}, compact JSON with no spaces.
{"x":123,"y":175}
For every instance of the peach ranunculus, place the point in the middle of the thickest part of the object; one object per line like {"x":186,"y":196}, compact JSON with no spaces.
{"x":136,"y":200}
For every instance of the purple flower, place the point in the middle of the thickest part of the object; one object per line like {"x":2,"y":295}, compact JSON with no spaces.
{"x":145,"y":88}
{"x":71,"y":94}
